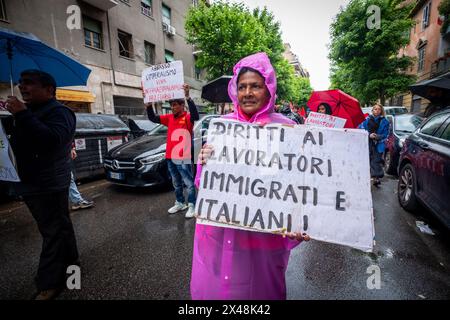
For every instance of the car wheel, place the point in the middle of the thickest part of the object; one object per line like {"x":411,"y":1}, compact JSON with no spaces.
{"x":407,"y":188}
{"x":388,"y":163}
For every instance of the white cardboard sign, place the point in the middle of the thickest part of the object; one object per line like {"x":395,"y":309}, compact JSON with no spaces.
{"x":8,"y":171}
{"x":113,"y":142}
{"x":163,"y":82}
{"x":281,"y":178}
{"x":325,"y":120}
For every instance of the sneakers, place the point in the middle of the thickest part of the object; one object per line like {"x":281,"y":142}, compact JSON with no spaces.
{"x":177,"y":207}
{"x":190,"y":213}
{"x":82,"y":205}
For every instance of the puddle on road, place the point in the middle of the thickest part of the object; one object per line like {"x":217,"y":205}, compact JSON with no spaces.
{"x":377,"y":255}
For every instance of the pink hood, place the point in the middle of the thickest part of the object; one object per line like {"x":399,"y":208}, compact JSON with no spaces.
{"x":261,"y":63}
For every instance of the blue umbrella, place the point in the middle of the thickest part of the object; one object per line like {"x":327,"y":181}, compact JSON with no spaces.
{"x":20,"y":51}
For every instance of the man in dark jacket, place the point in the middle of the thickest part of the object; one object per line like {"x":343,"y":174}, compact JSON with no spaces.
{"x":286,"y":111}
{"x":41,"y":138}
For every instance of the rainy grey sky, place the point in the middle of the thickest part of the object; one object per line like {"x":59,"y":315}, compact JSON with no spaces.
{"x":305,"y":25}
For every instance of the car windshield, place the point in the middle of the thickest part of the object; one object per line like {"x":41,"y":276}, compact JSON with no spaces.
{"x":146,"y":125}
{"x":407,"y":123}
{"x":159,"y":129}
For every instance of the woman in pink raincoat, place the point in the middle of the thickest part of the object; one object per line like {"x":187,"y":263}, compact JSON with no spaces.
{"x":230,"y":264}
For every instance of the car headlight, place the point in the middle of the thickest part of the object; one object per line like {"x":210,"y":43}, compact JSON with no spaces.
{"x":153,"y":158}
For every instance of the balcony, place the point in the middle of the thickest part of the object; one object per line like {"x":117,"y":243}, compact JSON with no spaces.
{"x":104,"y":5}
{"x":440,"y":66}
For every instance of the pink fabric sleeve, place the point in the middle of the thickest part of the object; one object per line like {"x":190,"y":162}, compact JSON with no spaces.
{"x":198,"y":175}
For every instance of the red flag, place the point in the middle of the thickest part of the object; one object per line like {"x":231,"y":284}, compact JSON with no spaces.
{"x":303,"y":112}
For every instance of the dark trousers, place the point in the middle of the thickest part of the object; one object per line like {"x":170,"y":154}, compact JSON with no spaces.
{"x":59,"y":247}
{"x":376,"y":161}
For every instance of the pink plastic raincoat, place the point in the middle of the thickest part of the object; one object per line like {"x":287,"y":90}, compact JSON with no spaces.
{"x":235,"y":264}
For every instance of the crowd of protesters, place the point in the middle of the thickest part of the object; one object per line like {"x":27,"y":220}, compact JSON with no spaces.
{"x":42,"y":132}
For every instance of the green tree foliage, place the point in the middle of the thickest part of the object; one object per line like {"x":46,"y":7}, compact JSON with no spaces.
{"x":302,"y":91}
{"x":226,"y":32}
{"x":272,"y":34}
{"x":365,"y":61}
{"x":444,"y":10}
{"x":285,"y":80}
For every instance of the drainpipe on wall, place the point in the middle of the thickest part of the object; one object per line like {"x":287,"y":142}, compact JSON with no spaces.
{"x":112,"y":67}
{"x":110,"y":48}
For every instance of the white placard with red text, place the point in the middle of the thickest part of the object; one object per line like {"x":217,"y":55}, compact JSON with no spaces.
{"x":325,"y":120}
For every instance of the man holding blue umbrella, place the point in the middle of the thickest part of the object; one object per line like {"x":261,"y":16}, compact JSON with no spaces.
{"x":41,"y":138}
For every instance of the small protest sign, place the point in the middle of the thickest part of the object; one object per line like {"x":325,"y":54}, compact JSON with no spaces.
{"x":8,"y":171}
{"x":80,"y":144}
{"x":163,"y":82}
{"x":113,"y":142}
{"x":281,"y":178}
{"x":325,"y":120}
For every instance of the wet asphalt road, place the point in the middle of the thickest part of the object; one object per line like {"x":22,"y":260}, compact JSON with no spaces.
{"x":130,"y":248}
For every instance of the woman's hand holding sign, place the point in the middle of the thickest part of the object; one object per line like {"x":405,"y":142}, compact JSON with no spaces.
{"x":298,"y":236}
{"x":205,"y":153}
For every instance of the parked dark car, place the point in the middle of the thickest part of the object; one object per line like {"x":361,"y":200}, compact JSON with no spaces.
{"x":424,"y":169}
{"x":400,"y":128}
{"x":139,"y":126}
{"x":141,"y":162}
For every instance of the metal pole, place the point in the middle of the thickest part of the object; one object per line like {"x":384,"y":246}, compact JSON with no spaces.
{"x":10,"y":54}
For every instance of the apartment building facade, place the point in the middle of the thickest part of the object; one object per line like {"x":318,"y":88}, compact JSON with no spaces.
{"x":429,"y":46}
{"x":293,"y":60}
{"x":116,"y":39}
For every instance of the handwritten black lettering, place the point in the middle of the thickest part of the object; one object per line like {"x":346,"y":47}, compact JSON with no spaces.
{"x":339,"y":200}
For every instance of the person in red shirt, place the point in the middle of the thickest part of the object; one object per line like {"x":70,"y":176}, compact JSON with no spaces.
{"x":178,"y":150}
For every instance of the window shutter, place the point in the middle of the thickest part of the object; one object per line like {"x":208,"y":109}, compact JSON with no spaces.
{"x":92,"y":25}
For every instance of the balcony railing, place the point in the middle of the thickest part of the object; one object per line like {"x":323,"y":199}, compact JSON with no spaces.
{"x":440,"y":66}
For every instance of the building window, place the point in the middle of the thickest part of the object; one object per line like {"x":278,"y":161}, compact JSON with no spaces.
{"x":421,"y":64}
{"x":93,"y":35}
{"x":125,"y":45}
{"x":169,"y":56}
{"x":166,"y":15}
{"x":426,"y":16}
{"x":146,"y":7}
{"x":149,"y":53}
{"x":3,"y":10}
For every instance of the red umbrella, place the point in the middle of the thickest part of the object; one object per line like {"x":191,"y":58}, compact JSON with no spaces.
{"x":342,"y":106}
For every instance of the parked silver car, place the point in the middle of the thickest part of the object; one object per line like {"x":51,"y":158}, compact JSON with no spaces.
{"x":389,"y":110}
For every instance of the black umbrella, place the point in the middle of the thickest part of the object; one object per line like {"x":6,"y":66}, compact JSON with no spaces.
{"x":436,"y":90}
{"x":216,"y":91}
